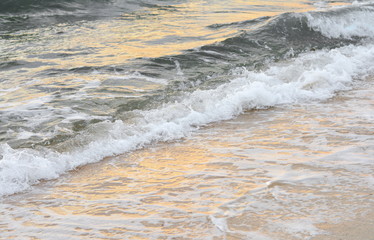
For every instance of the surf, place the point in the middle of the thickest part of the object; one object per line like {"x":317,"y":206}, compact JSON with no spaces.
{"x":291,"y":58}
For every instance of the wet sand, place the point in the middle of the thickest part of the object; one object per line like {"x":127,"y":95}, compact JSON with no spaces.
{"x":359,"y":228}
{"x":301,"y":172}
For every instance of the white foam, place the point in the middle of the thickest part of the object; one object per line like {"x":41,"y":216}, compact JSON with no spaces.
{"x":347,"y":22}
{"x":299,"y":228}
{"x":309,"y":77}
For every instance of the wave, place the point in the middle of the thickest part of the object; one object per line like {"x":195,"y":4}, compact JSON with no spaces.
{"x":18,"y":15}
{"x":33,"y":6}
{"x":269,"y":39}
{"x":24,"y":6}
{"x":288,"y":59}
{"x":311,"y":76}
{"x":303,"y":31}
{"x":344,"y":22}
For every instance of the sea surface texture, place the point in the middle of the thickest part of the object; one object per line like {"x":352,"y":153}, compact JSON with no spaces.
{"x":185,"y":119}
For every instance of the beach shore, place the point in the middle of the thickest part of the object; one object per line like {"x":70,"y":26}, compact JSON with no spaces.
{"x":359,"y":228}
{"x":287,"y":173}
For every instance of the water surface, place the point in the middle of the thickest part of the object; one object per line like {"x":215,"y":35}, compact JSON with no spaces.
{"x":83,"y":81}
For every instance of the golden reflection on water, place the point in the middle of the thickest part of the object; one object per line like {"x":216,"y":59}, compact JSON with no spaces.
{"x":179,"y":181}
{"x":155,"y":34}
{"x":148,"y":34}
{"x":162,"y":179}
{"x":192,"y":177}
{"x":217,"y":173}
{"x":253,"y":173}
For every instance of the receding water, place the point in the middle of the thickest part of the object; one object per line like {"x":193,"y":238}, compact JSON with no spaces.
{"x":185,"y":119}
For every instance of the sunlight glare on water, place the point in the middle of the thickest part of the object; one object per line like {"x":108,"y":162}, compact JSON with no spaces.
{"x":186,"y":119}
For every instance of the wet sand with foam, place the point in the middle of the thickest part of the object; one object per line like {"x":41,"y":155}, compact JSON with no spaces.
{"x":300,"y":172}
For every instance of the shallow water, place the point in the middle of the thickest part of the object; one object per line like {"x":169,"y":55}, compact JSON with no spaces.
{"x":280,"y":173}
{"x":185,"y":119}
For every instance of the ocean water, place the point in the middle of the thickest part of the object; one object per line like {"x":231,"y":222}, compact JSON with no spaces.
{"x":185,"y":119}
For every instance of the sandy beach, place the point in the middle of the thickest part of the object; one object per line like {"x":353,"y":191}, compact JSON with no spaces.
{"x":357,"y":229}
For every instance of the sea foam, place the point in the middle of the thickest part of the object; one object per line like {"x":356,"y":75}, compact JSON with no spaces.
{"x":346,"y":22}
{"x":311,"y":76}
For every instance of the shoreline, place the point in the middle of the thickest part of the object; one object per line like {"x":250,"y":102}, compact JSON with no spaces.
{"x":287,"y":173}
{"x":359,"y":228}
